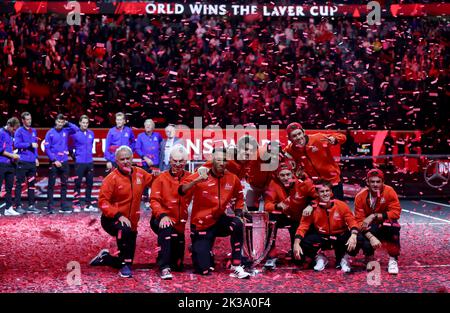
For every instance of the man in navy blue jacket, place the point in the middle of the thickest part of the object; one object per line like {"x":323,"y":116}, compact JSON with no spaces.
{"x":147,"y":147}
{"x":118,"y":136}
{"x":7,"y":166}
{"x":57,"y":149}
{"x":82,"y":143}
{"x":26,"y":143}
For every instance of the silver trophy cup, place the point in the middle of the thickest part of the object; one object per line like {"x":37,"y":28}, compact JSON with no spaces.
{"x":258,"y":237}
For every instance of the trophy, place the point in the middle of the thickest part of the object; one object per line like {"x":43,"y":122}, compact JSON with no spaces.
{"x":259,"y":234}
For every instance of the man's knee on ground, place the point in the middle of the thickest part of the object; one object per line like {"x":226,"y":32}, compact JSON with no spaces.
{"x":237,"y":225}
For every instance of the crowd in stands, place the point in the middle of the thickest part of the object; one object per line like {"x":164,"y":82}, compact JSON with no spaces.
{"x":336,"y":73}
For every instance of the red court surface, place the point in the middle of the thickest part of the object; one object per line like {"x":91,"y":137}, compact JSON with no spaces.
{"x":35,"y":251}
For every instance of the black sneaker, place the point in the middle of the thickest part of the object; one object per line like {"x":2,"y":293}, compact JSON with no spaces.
{"x":99,"y":259}
{"x":178,"y":268}
{"x":65,"y":210}
{"x":33,"y":209}
{"x":20,"y":210}
{"x":125,"y":271}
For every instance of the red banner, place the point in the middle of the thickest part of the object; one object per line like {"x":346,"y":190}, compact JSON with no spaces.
{"x":201,"y":142}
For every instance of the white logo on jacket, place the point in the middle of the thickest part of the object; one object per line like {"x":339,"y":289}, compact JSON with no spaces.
{"x":228,"y":186}
{"x":138,"y":181}
{"x":336,"y":216}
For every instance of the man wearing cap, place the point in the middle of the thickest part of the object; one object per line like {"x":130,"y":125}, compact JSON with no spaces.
{"x":377,"y":210}
{"x":313,"y":153}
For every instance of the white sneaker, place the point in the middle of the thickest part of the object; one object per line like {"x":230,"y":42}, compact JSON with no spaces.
{"x":321,"y":262}
{"x":90,"y":208}
{"x":345,"y":264}
{"x":11,"y":212}
{"x":166,"y":274}
{"x":239,"y":272}
{"x":76,"y":209}
{"x":392,"y":266}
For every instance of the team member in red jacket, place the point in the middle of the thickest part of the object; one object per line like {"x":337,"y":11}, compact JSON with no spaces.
{"x":238,"y":158}
{"x":170,"y":212}
{"x":260,"y":173}
{"x":212,"y":193}
{"x":120,"y":200}
{"x":313,"y":153}
{"x":286,"y":199}
{"x":334,"y":226}
{"x":253,"y":165}
{"x":377,"y":210}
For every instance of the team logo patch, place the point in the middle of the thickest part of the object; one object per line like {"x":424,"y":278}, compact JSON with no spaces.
{"x":382,"y":200}
{"x":138,"y":181}
{"x":228,"y":186}
{"x":336,"y":216}
{"x":314,"y":149}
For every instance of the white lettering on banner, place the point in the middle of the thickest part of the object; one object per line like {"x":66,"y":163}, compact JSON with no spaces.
{"x":323,"y":10}
{"x":164,"y":8}
{"x":283,"y":11}
{"x":103,"y":145}
{"x":207,"y":146}
{"x":208,"y":9}
{"x":94,"y":145}
{"x":194,"y":147}
{"x":244,"y":9}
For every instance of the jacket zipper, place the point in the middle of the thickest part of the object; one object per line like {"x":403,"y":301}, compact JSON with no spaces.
{"x":179,"y":202}
{"x":131,"y":204}
{"x":329,"y":224}
{"x":218,"y":184}
{"x":310,"y":162}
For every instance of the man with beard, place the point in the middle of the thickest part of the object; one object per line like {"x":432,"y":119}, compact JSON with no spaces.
{"x":26,"y":143}
{"x":212,"y":193}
